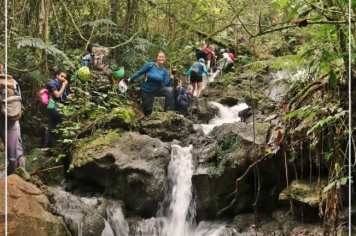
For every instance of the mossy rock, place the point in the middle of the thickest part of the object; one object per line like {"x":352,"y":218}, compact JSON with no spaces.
{"x":304,"y":191}
{"x":99,"y":140}
{"x":166,"y":126}
{"x":122,"y":117}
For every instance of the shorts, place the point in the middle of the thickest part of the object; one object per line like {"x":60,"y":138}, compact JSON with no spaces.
{"x":195,"y":78}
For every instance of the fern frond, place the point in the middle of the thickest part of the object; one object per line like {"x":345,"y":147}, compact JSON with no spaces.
{"x":49,"y":48}
{"x":141,"y":44}
{"x":96,"y":23}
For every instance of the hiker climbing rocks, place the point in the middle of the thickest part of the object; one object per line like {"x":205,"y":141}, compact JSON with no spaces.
{"x":210,"y":55}
{"x":227,"y":61}
{"x":196,"y":75}
{"x":58,"y":93}
{"x":98,"y":62}
{"x":157,"y":83}
{"x":14,"y":147}
{"x":87,"y":58}
{"x":181,"y":97}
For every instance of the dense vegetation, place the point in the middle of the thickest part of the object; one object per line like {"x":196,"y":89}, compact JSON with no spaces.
{"x":308,"y":37}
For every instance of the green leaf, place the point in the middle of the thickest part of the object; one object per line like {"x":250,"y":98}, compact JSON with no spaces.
{"x":329,"y":186}
{"x":343,"y":181}
{"x":328,"y":155}
{"x":282,"y":3}
{"x":311,"y":115}
{"x":333,"y":79}
{"x":292,"y":114}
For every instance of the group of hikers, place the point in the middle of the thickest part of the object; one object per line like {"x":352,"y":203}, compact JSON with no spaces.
{"x":95,"y":66}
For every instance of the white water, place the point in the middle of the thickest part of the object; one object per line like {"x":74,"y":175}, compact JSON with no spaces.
{"x":180,"y":171}
{"x":116,"y":224}
{"x":178,"y":218}
{"x":225,"y":115}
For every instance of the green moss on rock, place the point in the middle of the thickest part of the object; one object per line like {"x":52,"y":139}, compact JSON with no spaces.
{"x":83,"y":154}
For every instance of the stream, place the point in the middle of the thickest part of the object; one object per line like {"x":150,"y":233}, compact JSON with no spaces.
{"x":176,"y":214}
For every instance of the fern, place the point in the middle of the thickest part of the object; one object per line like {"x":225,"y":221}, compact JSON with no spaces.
{"x":289,"y":63}
{"x":96,"y":23}
{"x":141,"y":44}
{"x":49,"y":48}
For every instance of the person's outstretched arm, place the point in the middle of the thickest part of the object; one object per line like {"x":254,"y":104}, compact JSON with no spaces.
{"x":143,"y":70}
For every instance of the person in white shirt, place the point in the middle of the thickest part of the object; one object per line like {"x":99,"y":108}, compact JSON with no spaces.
{"x":228,"y":63}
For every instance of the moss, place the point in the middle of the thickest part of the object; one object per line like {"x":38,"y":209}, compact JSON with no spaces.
{"x":163,"y":116}
{"x":229,"y":147}
{"x":99,"y":140}
{"x":108,"y":140}
{"x":122,"y":115}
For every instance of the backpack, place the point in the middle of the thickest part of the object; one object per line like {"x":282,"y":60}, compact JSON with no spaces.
{"x":201,"y":54}
{"x":100,"y":60}
{"x":44,"y":96}
{"x":183,"y":101}
{"x":231,"y":55}
{"x":14,"y":105}
{"x":195,"y":69}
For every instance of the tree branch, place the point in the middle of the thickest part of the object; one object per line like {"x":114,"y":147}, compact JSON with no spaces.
{"x":75,"y":25}
{"x":122,"y":44}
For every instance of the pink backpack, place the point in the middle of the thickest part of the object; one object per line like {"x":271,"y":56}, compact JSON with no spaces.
{"x":44,"y":96}
{"x":231,"y":55}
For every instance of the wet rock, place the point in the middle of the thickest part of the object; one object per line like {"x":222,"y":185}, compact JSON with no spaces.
{"x":245,"y":225}
{"x":245,"y":113}
{"x":228,"y":101}
{"x":125,"y":165}
{"x":202,"y":111}
{"x":166,"y":126}
{"x":28,"y":210}
{"x":82,"y":216}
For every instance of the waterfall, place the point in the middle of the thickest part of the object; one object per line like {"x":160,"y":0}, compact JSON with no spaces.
{"x":179,"y":211}
{"x":225,"y":115}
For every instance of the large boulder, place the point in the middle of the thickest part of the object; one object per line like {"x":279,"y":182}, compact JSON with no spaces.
{"x":28,"y":213}
{"x":125,"y":165}
{"x":166,"y":126}
{"x":82,"y":216}
{"x":223,"y":158}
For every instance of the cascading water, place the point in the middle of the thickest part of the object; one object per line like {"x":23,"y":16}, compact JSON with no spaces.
{"x":181,"y":210}
{"x":176,"y":216}
{"x":225,"y":115}
{"x":177,"y":210}
{"x":116,"y":225}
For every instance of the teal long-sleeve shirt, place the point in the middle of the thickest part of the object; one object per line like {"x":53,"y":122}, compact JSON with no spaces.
{"x":202,"y":69}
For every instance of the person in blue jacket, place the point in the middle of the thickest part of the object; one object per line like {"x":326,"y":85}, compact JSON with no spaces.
{"x":196,"y":75}
{"x":58,"y":93}
{"x":157,"y":83}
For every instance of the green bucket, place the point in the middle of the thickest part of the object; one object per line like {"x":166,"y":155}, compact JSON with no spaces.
{"x":118,"y":74}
